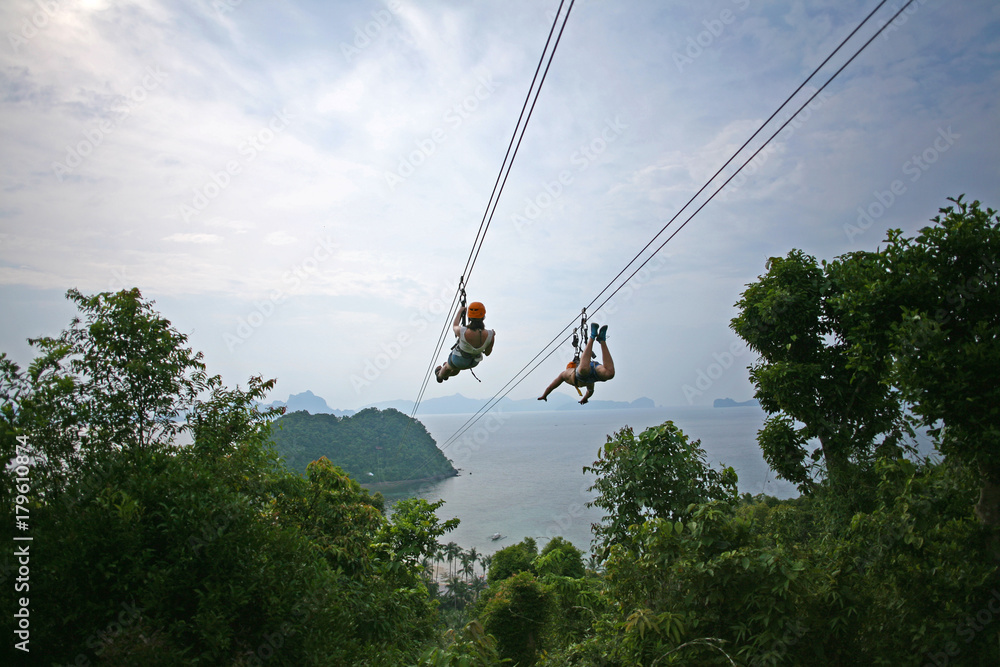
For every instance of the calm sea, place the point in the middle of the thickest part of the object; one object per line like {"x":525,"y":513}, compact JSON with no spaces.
{"x":522,"y":472}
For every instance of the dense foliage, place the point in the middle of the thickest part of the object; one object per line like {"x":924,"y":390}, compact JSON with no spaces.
{"x":372,"y":445}
{"x":147,"y":553}
{"x":659,"y":474}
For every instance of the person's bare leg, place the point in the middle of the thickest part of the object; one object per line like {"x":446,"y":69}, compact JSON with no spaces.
{"x":585,"y":357}
{"x":447,"y":371}
{"x":607,"y":361}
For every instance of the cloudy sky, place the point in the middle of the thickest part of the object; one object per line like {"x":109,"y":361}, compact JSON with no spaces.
{"x":298,"y":184}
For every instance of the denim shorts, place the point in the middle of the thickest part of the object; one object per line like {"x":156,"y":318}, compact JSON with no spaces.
{"x":462,"y":362}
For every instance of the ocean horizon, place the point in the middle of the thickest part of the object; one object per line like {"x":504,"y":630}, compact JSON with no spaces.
{"x":521,"y":473}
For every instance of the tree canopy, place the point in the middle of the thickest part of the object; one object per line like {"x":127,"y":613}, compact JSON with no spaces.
{"x":208,"y":553}
{"x":849,"y":347}
{"x":372,"y":445}
{"x":147,"y":552}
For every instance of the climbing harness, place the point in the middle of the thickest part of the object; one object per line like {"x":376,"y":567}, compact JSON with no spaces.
{"x":580,"y":338}
{"x":579,"y":344}
{"x":461,"y":289}
{"x":462,"y":301}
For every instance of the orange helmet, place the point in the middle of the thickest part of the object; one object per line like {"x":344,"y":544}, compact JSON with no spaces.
{"x":571,"y":364}
{"x":476,"y":311}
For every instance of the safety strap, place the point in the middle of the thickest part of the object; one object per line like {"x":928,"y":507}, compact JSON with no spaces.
{"x":461,"y":289}
{"x":580,"y":338}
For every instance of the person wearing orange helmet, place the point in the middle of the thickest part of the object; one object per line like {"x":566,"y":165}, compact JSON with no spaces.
{"x":474,"y":341}
{"x":586,"y":372}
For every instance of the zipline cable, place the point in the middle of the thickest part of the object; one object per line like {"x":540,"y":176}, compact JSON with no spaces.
{"x":527,"y":109}
{"x":755,"y":153}
{"x":745,"y":144}
{"x":468,"y":271}
{"x":498,"y":396}
{"x":501,"y":179}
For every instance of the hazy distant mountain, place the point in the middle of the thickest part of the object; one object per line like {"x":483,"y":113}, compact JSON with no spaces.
{"x":458,"y":404}
{"x":730,"y":403}
{"x":311,"y":403}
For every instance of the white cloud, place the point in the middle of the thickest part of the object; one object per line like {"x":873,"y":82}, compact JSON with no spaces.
{"x":279,"y":238}
{"x":194,"y":238}
{"x":306,"y":212}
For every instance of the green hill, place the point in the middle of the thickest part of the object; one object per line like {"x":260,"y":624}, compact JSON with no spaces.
{"x":372,"y":446}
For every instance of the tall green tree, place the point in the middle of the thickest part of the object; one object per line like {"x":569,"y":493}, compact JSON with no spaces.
{"x":120,"y":378}
{"x":931,"y":305}
{"x":413,"y":530}
{"x":508,"y":561}
{"x":516,"y":613}
{"x":210,"y":553}
{"x":559,"y":557}
{"x":660,"y":473}
{"x":805,"y":378}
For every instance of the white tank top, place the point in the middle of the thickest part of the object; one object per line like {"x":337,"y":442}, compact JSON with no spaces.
{"x":466,"y":347}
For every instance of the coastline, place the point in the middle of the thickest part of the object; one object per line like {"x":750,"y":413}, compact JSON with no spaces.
{"x":396,"y":484}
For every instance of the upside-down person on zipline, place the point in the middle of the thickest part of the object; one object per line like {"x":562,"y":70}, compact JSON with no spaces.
{"x":587,"y":372}
{"x":474,"y":341}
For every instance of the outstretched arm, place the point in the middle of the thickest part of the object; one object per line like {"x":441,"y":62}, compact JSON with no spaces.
{"x":552,"y":386}
{"x":457,"y":323}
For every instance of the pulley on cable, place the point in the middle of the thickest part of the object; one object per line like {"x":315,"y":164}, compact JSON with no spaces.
{"x":579,"y":342}
{"x":474,"y":339}
{"x":583,"y":371}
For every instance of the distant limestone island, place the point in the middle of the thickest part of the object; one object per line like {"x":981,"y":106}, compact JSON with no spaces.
{"x":730,"y":403}
{"x":311,"y":403}
{"x":378,"y":448}
{"x":457,"y":404}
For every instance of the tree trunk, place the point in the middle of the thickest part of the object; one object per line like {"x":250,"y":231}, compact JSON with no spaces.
{"x":988,"y":507}
{"x":837,"y":465}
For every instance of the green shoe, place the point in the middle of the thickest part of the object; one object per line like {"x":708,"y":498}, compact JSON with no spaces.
{"x":602,"y":335}
{"x":593,"y":329}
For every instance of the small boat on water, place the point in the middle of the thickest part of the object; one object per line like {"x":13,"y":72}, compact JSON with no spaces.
{"x":496,"y":536}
